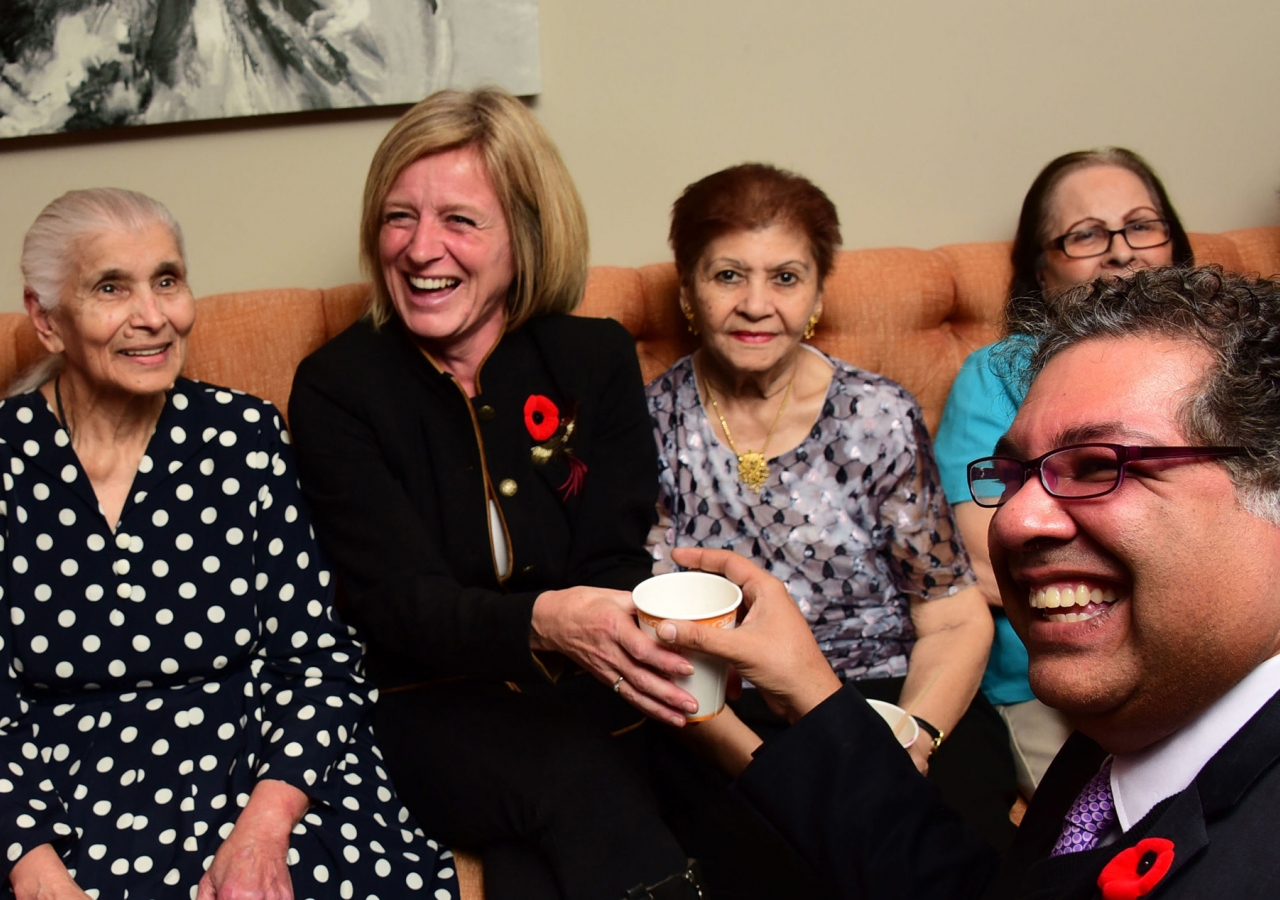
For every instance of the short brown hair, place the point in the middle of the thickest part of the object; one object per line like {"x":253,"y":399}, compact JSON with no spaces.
{"x":548,"y":226}
{"x":749,"y":197}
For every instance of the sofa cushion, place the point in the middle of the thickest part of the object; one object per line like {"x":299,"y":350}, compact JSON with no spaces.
{"x":912,"y":315}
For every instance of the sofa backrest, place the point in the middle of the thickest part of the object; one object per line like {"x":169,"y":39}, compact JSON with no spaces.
{"x":913,"y":315}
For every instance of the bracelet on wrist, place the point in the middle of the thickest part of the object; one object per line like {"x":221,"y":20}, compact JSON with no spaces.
{"x":936,"y":735}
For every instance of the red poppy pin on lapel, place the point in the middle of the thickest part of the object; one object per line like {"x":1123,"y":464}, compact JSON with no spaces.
{"x":552,"y":431}
{"x":1135,"y":872}
{"x":541,"y":417}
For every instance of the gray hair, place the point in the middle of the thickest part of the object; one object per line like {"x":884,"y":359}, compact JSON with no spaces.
{"x":1236,"y":318}
{"x":49,"y":246}
{"x":49,"y":249}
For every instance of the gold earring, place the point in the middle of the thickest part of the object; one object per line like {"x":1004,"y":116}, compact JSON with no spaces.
{"x":688,"y":314}
{"x":811,"y":327}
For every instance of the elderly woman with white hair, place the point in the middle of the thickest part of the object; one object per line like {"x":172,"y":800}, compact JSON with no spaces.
{"x":182,"y":712}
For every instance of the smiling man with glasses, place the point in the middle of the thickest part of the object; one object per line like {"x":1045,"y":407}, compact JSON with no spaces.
{"x":1073,"y":472}
{"x":1136,"y":542}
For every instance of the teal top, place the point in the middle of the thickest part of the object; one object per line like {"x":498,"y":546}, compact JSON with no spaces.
{"x":983,"y":402}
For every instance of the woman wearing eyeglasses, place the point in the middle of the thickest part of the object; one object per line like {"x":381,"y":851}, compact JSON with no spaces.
{"x":1089,"y":214}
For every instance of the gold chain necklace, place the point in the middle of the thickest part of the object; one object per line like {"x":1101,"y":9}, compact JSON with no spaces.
{"x":753,"y":466}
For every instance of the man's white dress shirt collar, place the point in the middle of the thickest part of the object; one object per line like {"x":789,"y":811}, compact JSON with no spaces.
{"x":1141,"y":780}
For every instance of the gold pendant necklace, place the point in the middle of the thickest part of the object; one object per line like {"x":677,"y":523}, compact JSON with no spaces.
{"x":753,"y":465}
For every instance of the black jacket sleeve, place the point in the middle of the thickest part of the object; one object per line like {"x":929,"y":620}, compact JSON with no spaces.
{"x":838,"y":787}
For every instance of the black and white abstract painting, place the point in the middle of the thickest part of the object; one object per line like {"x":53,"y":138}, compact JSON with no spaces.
{"x":70,"y":65}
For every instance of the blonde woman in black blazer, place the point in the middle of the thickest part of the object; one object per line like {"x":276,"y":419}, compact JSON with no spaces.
{"x":482,"y":474}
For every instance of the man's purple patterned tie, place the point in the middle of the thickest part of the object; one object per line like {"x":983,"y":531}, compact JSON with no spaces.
{"x":1093,"y":813}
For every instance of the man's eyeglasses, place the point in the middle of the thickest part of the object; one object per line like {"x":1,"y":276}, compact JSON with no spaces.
{"x":1096,"y":239}
{"x":1074,"y":472}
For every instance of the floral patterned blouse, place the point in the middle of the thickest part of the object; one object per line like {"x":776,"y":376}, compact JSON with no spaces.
{"x":853,"y":520}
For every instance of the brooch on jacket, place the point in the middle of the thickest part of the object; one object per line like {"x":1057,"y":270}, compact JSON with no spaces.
{"x":553,"y":431}
{"x":1136,"y":871}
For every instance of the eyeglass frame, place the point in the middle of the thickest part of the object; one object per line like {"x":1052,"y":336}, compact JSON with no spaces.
{"x":1060,"y":243}
{"x":1125,"y":454}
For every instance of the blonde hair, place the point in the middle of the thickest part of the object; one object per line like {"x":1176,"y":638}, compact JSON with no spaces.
{"x":545,"y":218}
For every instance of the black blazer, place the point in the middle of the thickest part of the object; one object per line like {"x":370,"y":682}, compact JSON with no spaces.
{"x":393,"y":459}
{"x":839,"y":789}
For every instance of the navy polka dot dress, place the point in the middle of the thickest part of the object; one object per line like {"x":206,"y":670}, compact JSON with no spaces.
{"x":158,"y":671}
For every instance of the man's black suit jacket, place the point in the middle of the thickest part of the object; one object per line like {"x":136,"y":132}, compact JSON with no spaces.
{"x":839,"y":789}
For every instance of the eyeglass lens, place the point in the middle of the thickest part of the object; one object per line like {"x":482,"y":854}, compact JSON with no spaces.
{"x":1076,"y":472}
{"x":993,"y":481}
{"x":1096,"y":240}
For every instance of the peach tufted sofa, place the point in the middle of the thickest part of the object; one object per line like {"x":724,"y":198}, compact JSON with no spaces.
{"x":913,"y":315}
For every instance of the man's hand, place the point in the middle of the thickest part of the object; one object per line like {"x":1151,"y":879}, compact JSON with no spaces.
{"x":724,"y":740}
{"x":772,"y":647}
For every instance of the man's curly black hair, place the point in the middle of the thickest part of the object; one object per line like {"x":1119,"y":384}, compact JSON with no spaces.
{"x":1236,"y":318}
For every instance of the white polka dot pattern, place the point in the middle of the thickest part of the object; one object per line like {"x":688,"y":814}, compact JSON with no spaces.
{"x":157,"y":672}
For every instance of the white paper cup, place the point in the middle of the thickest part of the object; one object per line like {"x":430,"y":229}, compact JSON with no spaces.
{"x":694,"y":597}
{"x":906,"y":732}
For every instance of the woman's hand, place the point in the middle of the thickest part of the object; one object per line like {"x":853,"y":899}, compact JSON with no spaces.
{"x":596,"y":628}
{"x":252,"y":862}
{"x":772,"y":647}
{"x":40,"y":875}
{"x":920,"y":752}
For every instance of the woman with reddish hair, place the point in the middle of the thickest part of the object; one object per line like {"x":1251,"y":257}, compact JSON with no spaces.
{"x":822,"y":473}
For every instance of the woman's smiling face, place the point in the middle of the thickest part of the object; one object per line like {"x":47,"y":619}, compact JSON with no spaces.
{"x":446,"y":252}
{"x":752,"y":295}
{"x":125,"y":311}
{"x":1109,"y":197}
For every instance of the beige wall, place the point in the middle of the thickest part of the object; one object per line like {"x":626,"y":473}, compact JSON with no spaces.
{"x":925,"y":120}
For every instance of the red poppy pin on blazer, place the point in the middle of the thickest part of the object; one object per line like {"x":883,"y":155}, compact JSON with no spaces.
{"x":541,"y":417}
{"x":552,"y":431}
{"x":1135,"y":872}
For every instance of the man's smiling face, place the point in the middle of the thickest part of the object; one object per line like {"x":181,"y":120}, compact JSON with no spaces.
{"x":1183,"y":585}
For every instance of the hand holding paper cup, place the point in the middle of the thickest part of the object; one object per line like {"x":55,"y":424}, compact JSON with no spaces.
{"x":698,"y":597}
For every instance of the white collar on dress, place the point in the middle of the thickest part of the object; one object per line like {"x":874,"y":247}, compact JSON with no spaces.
{"x":1141,"y":780}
